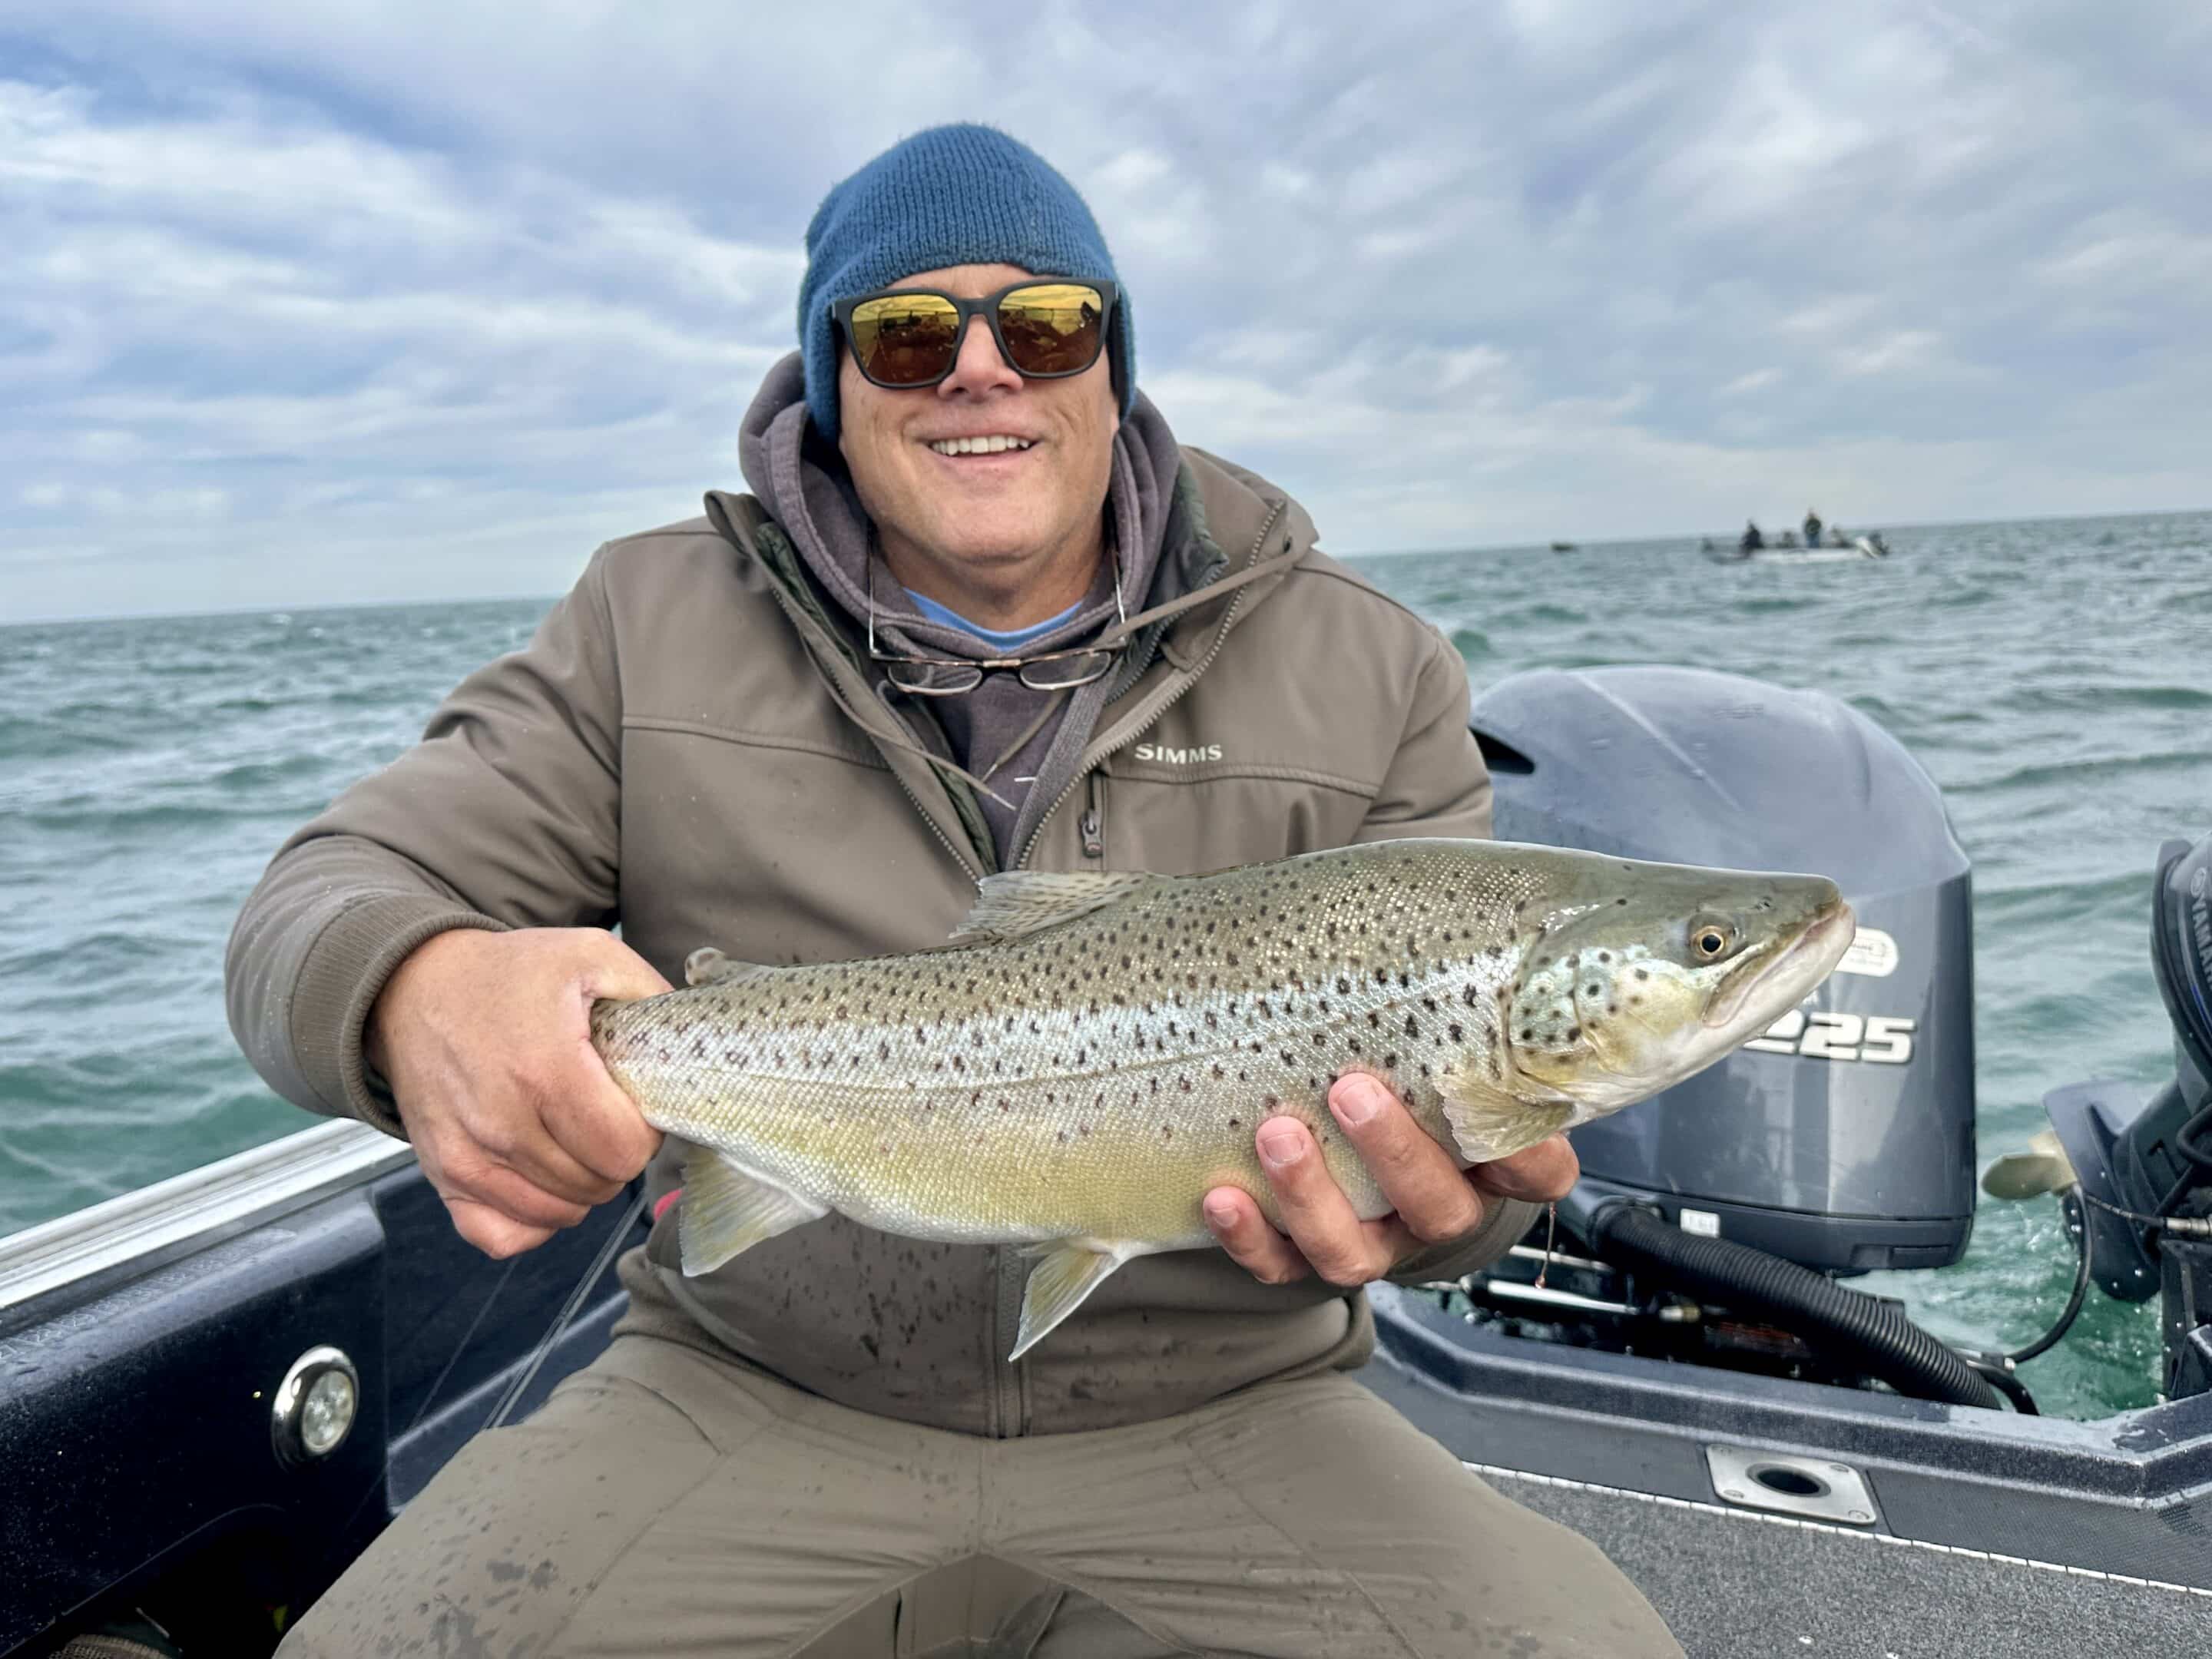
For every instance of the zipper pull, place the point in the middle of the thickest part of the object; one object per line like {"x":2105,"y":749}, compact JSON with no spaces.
{"x":1092,"y":823}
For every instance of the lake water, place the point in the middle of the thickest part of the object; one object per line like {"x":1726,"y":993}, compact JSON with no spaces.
{"x":2054,"y":677}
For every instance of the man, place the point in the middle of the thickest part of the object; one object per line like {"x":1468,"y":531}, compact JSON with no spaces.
{"x":769,"y":729}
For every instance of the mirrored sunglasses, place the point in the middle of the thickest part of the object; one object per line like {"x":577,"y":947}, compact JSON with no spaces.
{"x":1047,"y":328}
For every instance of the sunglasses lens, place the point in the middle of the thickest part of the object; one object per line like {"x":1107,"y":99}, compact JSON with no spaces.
{"x":905,"y":339}
{"x":1064,"y":673}
{"x":932,"y":679}
{"x":1053,"y":328}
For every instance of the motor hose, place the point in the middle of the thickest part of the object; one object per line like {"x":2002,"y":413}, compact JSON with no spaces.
{"x":1871,"y":1337}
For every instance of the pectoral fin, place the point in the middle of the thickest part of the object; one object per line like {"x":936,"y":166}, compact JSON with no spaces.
{"x":726,"y":1209}
{"x":1489,"y":1122}
{"x":1064,"y":1274}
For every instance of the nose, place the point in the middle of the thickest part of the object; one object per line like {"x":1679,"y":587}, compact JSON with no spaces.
{"x":981,"y":367}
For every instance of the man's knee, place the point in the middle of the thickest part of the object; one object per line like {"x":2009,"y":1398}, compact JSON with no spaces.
{"x":497,"y":1553}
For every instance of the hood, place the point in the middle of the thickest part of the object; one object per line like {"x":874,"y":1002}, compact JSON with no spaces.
{"x":802,"y":483}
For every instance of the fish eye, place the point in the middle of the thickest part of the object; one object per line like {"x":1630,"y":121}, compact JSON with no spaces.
{"x":1711,"y":938}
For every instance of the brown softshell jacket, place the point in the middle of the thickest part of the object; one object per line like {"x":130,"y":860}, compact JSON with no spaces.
{"x":689,"y":749}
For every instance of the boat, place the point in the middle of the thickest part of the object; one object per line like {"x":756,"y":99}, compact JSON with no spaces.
{"x":216,"y":1391}
{"x":1563,"y":547}
{"x":1787,"y":549}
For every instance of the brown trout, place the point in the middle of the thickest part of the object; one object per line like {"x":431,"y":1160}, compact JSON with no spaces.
{"x":1093,"y":1053}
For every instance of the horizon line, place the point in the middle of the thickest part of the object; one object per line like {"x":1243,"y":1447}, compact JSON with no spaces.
{"x":273,"y":607}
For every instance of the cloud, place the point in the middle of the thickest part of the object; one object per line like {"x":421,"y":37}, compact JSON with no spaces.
{"x":424,"y":299}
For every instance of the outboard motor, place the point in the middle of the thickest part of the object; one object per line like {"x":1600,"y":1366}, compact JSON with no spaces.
{"x":1843,"y":1139}
{"x":2136,"y":1173}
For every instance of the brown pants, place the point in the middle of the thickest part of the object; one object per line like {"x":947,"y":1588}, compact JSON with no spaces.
{"x":666,"y":1503}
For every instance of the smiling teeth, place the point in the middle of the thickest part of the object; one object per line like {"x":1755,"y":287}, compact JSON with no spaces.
{"x":991,"y":445}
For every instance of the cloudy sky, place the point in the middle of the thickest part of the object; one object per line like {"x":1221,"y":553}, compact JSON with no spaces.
{"x":322,"y":301}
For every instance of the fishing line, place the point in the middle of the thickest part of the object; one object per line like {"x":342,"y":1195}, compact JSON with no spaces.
{"x":461,"y":1347}
{"x":600,"y":1264}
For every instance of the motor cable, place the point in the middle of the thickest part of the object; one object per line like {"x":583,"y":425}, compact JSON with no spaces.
{"x":2077,"y":1224}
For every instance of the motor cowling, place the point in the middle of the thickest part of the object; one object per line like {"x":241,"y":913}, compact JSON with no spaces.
{"x":1843,"y":1138}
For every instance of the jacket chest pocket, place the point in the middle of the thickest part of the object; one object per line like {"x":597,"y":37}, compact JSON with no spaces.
{"x":776,"y":853}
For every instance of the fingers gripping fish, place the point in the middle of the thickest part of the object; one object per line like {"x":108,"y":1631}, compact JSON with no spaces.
{"x":1091,"y":1053}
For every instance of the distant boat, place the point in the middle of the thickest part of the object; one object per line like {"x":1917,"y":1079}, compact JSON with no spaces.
{"x":1787,"y":550}
{"x":1563,"y":547}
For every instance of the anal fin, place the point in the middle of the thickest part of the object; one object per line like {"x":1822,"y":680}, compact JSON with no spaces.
{"x":726,"y":1209}
{"x":1489,"y":1121}
{"x":1066,"y":1272}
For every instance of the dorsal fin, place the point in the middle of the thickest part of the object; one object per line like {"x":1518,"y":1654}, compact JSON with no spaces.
{"x":707,"y":966}
{"x":1018,"y":901}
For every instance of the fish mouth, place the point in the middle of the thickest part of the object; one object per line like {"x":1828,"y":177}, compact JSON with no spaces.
{"x":1807,"y":959}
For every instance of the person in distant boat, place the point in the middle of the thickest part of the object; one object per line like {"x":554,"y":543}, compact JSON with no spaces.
{"x":979,"y":611}
{"x":1812,"y":528}
{"x":1751,"y":541}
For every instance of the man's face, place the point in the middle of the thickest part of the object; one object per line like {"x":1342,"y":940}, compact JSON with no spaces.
{"x":999,"y":518}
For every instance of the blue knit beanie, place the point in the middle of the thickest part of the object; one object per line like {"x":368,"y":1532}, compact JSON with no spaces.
{"x":958,"y":195}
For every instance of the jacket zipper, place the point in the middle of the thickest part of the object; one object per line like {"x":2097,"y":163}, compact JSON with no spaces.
{"x":1012,"y":1381}
{"x":1093,"y":821}
{"x":1011,"y":1390}
{"x":1220,"y":638}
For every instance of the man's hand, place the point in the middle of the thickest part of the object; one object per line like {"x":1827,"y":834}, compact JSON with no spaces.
{"x":1434,"y":1201}
{"x":486,"y":1039}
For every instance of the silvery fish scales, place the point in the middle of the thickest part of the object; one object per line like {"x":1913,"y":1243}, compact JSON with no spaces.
{"x":1092,"y":1053}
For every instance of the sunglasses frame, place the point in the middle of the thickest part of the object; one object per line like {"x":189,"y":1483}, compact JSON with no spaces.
{"x":984,"y":666}
{"x":987,"y":307}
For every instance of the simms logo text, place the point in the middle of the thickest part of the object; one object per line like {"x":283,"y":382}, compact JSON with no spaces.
{"x":1156,"y":752}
